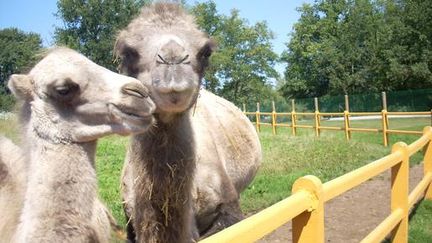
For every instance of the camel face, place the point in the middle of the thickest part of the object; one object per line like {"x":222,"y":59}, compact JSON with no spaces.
{"x":174,"y":83}
{"x":169,"y":61}
{"x":74,"y":100}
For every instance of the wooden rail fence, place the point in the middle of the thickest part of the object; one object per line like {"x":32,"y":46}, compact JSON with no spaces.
{"x":305,"y":207}
{"x":317,"y":117}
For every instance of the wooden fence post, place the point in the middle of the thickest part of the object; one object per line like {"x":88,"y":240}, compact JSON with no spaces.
{"x":274,"y":118}
{"x":293,"y":118}
{"x":400,"y":191}
{"x":317,"y":118}
{"x":384,"y":119}
{"x":309,"y":225}
{"x":347,"y":124}
{"x":258,"y":117}
{"x":427,"y":160}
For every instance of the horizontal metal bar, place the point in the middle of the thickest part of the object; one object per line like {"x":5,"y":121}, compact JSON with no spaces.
{"x":283,"y":125}
{"x":265,"y":113}
{"x":418,"y":192}
{"x":365,"y":113}
{"x":264,"y":222}
{"x":409,"y":113}
{"x":357,"y":129}
{"x":350,"y":180}
{"x":385,"y":227}
{"x":265,"y":124}
{"x":304,"y":126}
{"x":331,"y":128}
{"x":305,"y":113}
{"x":404,"y":132}
{"x":284,"y":113}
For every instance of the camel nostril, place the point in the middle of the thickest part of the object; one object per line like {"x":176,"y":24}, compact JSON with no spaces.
{"x":136,"y":90}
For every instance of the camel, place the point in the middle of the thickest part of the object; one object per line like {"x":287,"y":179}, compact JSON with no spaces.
{"x":12,"y":181}
{"x":68,"y":103}
{"x":184,"y":176}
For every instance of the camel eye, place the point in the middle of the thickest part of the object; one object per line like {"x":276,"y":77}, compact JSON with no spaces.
{"x":185,"y":60}
{"x":66,"y":91}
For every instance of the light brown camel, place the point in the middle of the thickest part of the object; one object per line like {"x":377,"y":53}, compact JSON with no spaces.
{"x":68,"y":103}
{"x":203,"y":151}
{"x":12,"y":187}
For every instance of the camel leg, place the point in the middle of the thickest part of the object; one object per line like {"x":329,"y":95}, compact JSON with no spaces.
{"x":228,"y":214}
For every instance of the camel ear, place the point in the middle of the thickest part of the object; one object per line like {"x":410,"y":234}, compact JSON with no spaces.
{"x":129,"y":58}
{"x":21,"y":86}
{"x":207,"y":49}
{"x":205,"y":52}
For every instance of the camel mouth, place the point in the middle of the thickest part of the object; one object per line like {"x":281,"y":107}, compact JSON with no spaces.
{"x":125,"y":113}
{"x":172,"y":101}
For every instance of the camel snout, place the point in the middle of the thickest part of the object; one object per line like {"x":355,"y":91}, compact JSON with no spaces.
{"x":135,"y":89}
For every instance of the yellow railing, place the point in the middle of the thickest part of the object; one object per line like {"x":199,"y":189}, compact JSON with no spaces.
{"x":317,"y":117}
{"x":305,"y":207}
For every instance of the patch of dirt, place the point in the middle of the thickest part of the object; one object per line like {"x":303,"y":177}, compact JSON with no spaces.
{"x":354,"y":214}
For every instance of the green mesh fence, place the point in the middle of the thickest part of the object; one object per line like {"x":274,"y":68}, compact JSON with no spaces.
{"x":407,"y":100}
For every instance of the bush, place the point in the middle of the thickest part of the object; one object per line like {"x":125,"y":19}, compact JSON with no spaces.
{"x":7,"y":102}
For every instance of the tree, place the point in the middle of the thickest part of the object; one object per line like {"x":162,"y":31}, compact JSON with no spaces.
{"x":242,"y":67}
{"x":355,"y":46}
{"x":90,"y":26}
{"x":17,"y":52}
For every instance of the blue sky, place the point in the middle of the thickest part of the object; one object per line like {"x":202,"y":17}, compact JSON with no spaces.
{"x":38,"y":16}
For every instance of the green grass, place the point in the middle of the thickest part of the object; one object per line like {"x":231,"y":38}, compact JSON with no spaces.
{"x":109,"y":162}
{"x":285,"y":158}
{"x":420,"y":230}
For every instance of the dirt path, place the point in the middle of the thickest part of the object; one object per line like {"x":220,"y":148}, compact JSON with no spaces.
{"x":351,"y":216}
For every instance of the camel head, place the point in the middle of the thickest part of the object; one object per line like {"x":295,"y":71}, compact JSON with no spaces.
{"x":71,"y":99}
{"x":165,"y":50}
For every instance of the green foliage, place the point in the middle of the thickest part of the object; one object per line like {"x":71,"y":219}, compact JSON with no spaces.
{"x":17,"y":53}
{"x":7,"y":101}
{"x":91,"y":26}
{"x":341,"y":47}
{"x":242,"y":67}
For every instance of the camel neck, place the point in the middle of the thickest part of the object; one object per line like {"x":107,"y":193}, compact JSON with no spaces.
{"x":61,"y":189}
{"x":164,"y":173}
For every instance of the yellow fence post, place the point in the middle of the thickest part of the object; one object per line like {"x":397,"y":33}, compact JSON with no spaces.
{"x":346,"y":119}
{"x":258,"y":118}
{"x":400,"y":191}
{"x":309,"y":225}
{"x":244,"y":107}
{"x":293,"y":118}
{"x":427,"y":160}
{"x":274,"y":117}
{"x":346,"y":125}
{"x":384,"y":119}
{"x":384,"y":127}
{"x":317,"y":118}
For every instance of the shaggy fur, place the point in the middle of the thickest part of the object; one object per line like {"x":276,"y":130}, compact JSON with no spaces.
{"x":204,"y":148}
{"x":59,"y":199}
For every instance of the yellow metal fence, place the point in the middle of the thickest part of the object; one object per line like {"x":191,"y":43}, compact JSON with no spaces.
{"x":305,"y":207}
{"x":317,"y":117}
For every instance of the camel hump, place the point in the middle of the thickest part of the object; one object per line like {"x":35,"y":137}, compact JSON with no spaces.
{"x":238,"y":147}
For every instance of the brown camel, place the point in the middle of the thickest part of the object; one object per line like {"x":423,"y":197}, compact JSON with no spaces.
{"x":203,"y":151}
{"x":68,"y":103}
